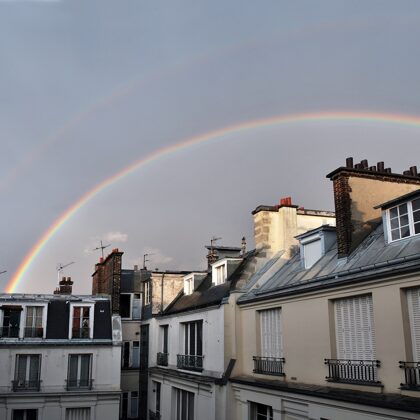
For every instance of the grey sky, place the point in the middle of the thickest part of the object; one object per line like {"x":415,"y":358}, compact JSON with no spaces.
{"x":87,"y":87}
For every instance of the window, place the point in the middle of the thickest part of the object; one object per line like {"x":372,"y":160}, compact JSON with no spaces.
{"x":124,"y":405}
{"x":130,"y":355}
{"x":81,"y":322}
{"x":147,"y":292}
{"x":28,"y":414}
{"x":136,"y":310}
{"x":33,"y":323}
{"x":165,"y":331}
{"x":27,"y":371}
{"x":157,"y":401}
{"x":271,"y":333}
{"x":219,"y":274}
{"x":188,"y":285}
{"x":184,"y":405}
{"x":413,"y":298}
{"x":134,"y":404}
{"x":82,"y":413}
{"x":312,"y":252}
{"x":11,"y":321}
{"x":355,"y":332}
{"x":79,"y":371}
{"x":260,"y":412}
{"x":404,"y":220}
{"x":193,"y":338}
{"x":125,"y":305}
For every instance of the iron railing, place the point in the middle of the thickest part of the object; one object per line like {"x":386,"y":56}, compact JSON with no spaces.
{"x":353,"y":371}
{"x":19,"y":385}
{"x":162,"y":359}
{"x":83,"y":332}
{"x":154,"y":415}
{"x":37,"y":332}
{"x":411,"y":374}
{"x":9,"y":332}
{"x":269,"y":365}
{"x":190,"y":362}
{"x":72,"y":384}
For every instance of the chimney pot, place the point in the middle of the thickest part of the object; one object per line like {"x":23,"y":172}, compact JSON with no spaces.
{"x":388,"y":170}
{"x":407,"y":173}
{"x":413,"y":170}
{"x":381,"y":167}
{"x":136,"y":267}
{"x":101,"y":260}
{"x":364,"y":164}
{"x":349,"y":162}
{"x":372,"y":168}
{"x":358,"y":166}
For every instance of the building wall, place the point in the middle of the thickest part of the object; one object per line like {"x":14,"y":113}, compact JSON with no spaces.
{"x":172,"y":285}
{"x":308,"y":333}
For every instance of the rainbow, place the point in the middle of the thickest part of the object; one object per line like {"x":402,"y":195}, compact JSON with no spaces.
{"x":364,"y":117}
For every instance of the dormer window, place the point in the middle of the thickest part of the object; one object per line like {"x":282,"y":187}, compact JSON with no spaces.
{"x":312,"y":252}
{"x":404,"y":220}
{"x":219,"y":273}
{"x":188,"y":285}
{"x":81,"y":325}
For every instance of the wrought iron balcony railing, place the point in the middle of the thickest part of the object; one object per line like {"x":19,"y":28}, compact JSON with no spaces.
{"x":353,"y":371}
{"x":411,"y":374}
{"x":72,"y":384}
{"x":19,"y":385}
{"x":83,"y":332}
{"x":37,"y":332}
{"x":9,"y":332}
{"x":162,"y":359}
{"x":189,"y":362}
{"x":154,"y":415}
{"x":269,"y":365}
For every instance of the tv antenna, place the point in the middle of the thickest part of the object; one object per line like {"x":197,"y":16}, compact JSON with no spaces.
{"x":60,"y":268}
{"x":145,"y":260}
{"x":102,"y":247}
{"x":4,"y":271}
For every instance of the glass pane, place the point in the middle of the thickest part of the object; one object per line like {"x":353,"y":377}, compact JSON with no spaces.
{"x":134,"y":404}
{"x":395,"y":224}
{"x":417,"y":228}
{"x":73,"y":368}
{"x":416,"y":204}
{"x":34,"y":368}
{"x":404,"y":220}
{"x":405,"y":231}
{"x":184,"y":405}
{"x":31,"y":414}
{"x":393,"y":212}
{"x":165,"y":339}
{"x":29,"y":316}
{"x":21,"y":367}
{"x":18,"y":414}
{"x":403,"y":209}
{"x":395,"y":234}
{"x":199,"y":338}
{"x":192,"y":339}
{"x":190,"y":406}
{"x":416,"y":216}
{"x":84,"y":368}
{"x":38,"y":317}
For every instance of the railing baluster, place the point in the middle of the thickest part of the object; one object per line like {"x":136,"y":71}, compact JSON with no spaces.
{"x":411,"y":375}
{"x":352,"y":371}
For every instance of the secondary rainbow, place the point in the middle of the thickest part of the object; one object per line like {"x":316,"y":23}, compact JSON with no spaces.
{"x":364,"y":117}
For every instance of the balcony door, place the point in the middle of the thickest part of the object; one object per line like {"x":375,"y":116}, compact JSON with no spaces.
{"x":11,"y":321}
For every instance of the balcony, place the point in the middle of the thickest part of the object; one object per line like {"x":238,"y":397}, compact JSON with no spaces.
{"x":37,"y":332}
{"x":412,"y":375}
{"x":162,"y":359}
{"x":9,"y":332}
{"x":83,"y":332}
{"x":269,"y":365}
{"x":154,"y":416}
{"x":189,"y":362}
{"x":359,"y":372}
{"x":18,"y":385}
{"x":76,"y":384}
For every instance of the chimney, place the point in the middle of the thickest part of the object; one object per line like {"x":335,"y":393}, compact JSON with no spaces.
{"x":357,"y":190}
{"x":106,"y":279}
{"x":65,"y":287}
{"x":243,"y":246}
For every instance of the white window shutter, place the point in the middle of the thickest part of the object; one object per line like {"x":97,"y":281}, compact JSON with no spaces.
{"x":413,"y":297}
{"x":271,"y":333}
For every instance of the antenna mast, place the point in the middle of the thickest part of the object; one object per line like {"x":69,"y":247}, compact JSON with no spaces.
{"x":4,"y":271}
{"x":102,"y":247}
{"x":60,"y":268}
{"x":145,"y":260}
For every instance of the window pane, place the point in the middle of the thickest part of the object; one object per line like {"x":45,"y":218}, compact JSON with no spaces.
{"x":73,"y":368}
{"x":192,"y":339}
{"x":34,"y":368}
{"x":133,"y":404}
{"x":416,"y":204}
{"x":136,"y":354}
{"x":405,"y":231}
{"x":404,"y":220}
{"x":125,"y":300}
{"x":395,"y":234}
{"x":199,"y":338}
{"x":394,"y":224}
{"x":416,"y":216}
{"x":403,"y":209}
{"x":417,"y":228}
{"x":393,"y":212}
{"x":21,"y":367}
{"x":84,"y":368}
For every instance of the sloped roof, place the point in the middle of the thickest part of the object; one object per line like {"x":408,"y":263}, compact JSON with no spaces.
{"x":206,"y":294}
{"x":373,"y":257}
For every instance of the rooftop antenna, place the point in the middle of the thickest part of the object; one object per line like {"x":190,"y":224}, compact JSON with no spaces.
{"x":102,"y":247}
{"x":145,"y":260}
{"x":60,"y":268}
{"x":4,"y":271}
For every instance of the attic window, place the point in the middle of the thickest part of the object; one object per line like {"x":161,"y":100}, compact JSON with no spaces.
{"x":188,"y":285}
{"x":312,"y":252}
{"x":404,"y":220}
{"x":219,"y":273}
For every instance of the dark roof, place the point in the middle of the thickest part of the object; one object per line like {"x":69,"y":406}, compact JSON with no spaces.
{"x":223,"y":248}
{"x":206,"y":294}
{"x":372,"y":258}
{"x":398,"y":200}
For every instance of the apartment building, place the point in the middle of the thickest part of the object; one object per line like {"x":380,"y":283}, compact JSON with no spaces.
{"x":334,"y":332}
{"x":59,"y":357}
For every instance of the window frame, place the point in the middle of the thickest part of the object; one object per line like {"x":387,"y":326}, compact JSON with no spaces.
{"x":187,"y":338}
{"x":79,"y":367}
{"x":219,"y":266}
{"x":91,"y":307}
{"x":28,"y":366}
{"x":147,"y":292}
{"x":179,"y":400}
{"x":411,"y":223}
{"x":279,"y":333}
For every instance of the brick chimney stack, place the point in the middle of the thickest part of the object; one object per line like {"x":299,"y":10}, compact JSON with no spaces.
{"x":65,"y":287}
{"x":358,"y":188}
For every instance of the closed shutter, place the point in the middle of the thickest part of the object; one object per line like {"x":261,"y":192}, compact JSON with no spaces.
{"x":413,"y":297}
{"x":271,"y":334}
{"x":312,"y":252}
{"x":78,"y":413}
{"x":355,"y":332}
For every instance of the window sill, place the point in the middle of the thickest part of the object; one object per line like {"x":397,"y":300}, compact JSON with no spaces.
{"x":350,"y":382}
